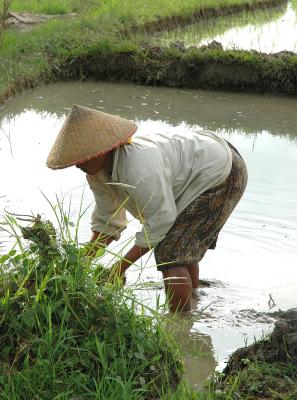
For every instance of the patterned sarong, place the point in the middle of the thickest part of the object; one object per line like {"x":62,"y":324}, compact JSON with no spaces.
{"x":197,"y":228}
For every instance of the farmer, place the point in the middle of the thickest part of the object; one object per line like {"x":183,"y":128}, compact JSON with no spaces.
{"x":182,"y":188}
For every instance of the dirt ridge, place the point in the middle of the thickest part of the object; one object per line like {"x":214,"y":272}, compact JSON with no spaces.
{"x":208,"y":67}
{"x":281,"y":346}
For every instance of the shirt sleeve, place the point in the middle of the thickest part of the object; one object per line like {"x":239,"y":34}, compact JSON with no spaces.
{"x":109,"y":214}
{"x":156,"y":206}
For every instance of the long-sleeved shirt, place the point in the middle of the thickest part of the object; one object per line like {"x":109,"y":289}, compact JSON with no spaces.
{"x":155,"y":178}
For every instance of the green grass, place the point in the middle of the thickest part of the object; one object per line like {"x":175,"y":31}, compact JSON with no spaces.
{"x":273,"y":381}
{"x":67,"y":332}
{"x":136,"y":11}
{"x":52,"y":7}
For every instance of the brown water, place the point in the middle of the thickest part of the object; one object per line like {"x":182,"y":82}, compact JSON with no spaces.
{"x":256,"y":254}
{"x":267,"y":31}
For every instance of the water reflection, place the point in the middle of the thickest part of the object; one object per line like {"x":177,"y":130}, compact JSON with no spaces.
{"x":267,"y":31}
{"x":231,"y":112}
{"x":197,"y":350}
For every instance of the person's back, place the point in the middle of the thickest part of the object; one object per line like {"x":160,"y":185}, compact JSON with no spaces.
{"x":192,"y":163}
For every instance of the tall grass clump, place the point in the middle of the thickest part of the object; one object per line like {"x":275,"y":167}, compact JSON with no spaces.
{"x":66,"y":333}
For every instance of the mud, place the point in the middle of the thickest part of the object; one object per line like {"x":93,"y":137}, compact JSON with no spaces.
{"x":280,"y":347}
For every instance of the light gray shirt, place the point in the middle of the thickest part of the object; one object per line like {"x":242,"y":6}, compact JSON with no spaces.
{"x":155,"y":178}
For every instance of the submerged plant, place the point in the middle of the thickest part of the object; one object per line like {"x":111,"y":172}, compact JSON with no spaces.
{"x":65,"y":332}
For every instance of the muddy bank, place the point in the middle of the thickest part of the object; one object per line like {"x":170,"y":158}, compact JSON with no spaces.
{"x":208,"y":67}
{"x":266,"y":369}
{"x":280,"y":347}
{"x":171,"y":22}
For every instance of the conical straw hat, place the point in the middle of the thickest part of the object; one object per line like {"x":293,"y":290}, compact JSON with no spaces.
{"x":86,"y":134}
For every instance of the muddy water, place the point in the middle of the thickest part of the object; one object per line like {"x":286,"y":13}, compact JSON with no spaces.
{"x":267,"y":31}
{"x":252,"y":271}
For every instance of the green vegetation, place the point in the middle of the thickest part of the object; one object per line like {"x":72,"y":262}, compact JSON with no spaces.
{"x":127,"y":11}
{"x":66,"y":332}
{"x":273,"y":381}
{"x":49,"y":7}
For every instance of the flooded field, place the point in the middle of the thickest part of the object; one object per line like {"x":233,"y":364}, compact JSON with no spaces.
{"x":267,"y":31}
{"x":253,"y":270}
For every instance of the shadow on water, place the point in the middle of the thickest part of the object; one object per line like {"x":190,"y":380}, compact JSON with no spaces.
{"x":230,"y":112}
{"x":266,"y":31}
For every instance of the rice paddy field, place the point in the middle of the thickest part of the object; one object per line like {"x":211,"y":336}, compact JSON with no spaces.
{"x":66,"y":331}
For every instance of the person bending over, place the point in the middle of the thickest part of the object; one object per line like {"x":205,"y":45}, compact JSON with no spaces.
{"x":181,"y":187}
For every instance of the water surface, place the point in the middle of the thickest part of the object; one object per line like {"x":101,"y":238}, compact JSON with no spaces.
{"x":256,"y":255}
{"x":267,"y":31}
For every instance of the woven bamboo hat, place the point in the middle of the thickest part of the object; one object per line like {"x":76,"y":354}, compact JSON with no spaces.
{"x":86,"y":134}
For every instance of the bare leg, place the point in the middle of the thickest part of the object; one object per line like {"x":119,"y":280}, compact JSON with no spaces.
{"x":178,"y":288}
{"x":194,"y":274}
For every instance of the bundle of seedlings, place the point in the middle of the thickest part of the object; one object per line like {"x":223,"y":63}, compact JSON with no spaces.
{"x":66,"y":333}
